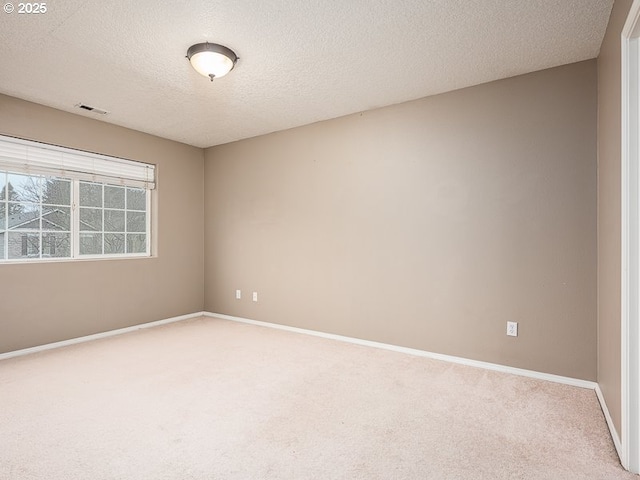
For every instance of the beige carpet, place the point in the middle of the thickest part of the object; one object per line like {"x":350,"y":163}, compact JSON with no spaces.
{"x":212,"y":399}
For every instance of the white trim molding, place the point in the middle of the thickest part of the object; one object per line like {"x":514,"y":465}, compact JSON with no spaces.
{"x":612,"y":428}
{"x":96,"y":336}
{"x":630,"y":242}
{"x":575,"y":382}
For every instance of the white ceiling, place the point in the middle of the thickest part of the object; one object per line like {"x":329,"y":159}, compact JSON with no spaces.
{"x":301,"y":61}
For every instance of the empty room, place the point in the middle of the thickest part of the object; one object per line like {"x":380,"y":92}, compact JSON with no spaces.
{"x":320,"y":240}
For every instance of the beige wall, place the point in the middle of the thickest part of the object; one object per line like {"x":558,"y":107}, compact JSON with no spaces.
{"x":427,"y":224}
{"x":48,"y":302}
{"x":609,"y":139}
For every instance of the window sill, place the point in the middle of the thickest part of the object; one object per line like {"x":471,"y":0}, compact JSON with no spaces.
{"x":75,"y":260}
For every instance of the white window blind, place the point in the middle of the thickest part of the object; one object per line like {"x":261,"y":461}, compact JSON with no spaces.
{"x":37,"y":158}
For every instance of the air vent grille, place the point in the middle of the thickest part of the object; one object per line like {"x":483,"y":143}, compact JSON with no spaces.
{"x":89,"y":108}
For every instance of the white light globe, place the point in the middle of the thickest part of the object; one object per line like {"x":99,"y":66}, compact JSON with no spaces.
{"x":211,"y":63}
{"x":211,"y":60}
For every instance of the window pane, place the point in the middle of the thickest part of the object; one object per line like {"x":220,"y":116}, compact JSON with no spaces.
{"x":136,"y":243}
{"x":10,"y":193}
{"x":90,"y":194}
{"x":25,"y":188}
{"x":113,"y":243}
{"x":113,"y":197}
{"x":56,"y":245}
{"x":114,"y":220}
{"x":90,"y":219}
{"x":136,"y":199}
{"x":136,"y":222}
{"x":90,"y":243}
{"x":24,"y":216}
{"x":57,"y":191}
{"x":56,"y":218}
{"x":37,"y":221}
{"x":14,"y":208}
{"x":24,"y":245}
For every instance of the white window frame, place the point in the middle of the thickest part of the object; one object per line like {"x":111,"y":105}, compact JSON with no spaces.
{"x":75,"y":229}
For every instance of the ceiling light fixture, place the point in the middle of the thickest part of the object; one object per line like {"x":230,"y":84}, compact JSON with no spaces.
{"x":211,"y":60}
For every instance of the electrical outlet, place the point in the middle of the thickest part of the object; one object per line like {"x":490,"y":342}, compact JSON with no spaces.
{"x":512,"y":329}
{"x":238,"y":294}
{"x":255,"y":296}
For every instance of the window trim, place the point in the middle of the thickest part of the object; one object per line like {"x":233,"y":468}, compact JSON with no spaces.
{"x":75,"y":232}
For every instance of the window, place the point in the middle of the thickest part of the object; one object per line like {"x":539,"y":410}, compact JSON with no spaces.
{"x":87,"y":211}
{"x":113,"y":219}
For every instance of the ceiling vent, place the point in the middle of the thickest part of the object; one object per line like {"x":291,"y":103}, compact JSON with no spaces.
{"x":89,"y":108}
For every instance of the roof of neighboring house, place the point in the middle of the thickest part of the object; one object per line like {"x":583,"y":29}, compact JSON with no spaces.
{"x":22,"y":220}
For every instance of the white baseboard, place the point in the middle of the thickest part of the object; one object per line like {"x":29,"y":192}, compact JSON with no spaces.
{"x":448,"y":358}
{"x":96,"y":336}
{"x":575,"y":382}
{"x":411,"y":351}
{"x":612,"y":429}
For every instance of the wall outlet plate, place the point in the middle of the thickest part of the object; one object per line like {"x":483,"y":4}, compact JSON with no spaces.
{"x":512,"y":329}
{"x":238,"y":294}
{"x":255,"y":296}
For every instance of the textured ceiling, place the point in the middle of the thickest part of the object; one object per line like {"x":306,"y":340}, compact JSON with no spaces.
{"x":301,"y":61}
